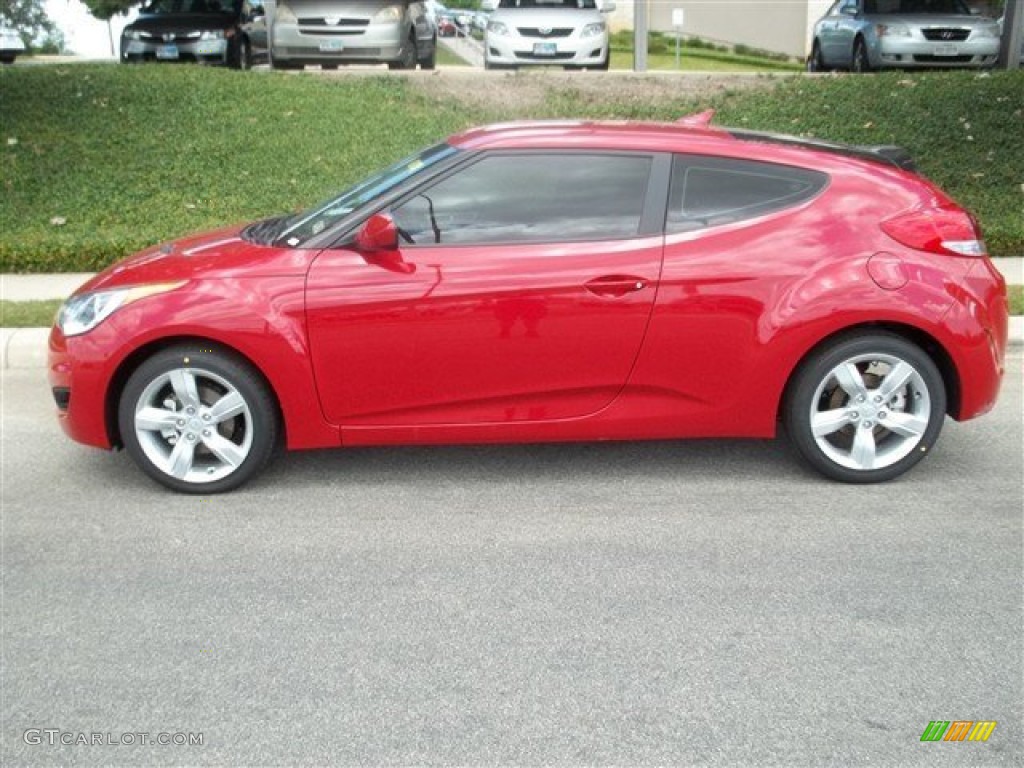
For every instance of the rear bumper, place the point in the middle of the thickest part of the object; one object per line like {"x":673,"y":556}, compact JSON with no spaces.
{"x":979,"y":322}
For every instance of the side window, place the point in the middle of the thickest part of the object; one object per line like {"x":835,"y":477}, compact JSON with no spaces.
{"x":529,"y":198}
{"x":711,"y":191}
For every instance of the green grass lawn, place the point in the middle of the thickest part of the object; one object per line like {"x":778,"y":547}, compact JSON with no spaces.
{"x":99,"y":160}
{"x":701,"y":61}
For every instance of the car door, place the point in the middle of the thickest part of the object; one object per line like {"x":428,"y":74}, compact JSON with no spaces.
{"x":521,"y":291}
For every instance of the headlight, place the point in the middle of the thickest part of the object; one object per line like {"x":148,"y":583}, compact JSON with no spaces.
{"x":80,"y":314}
{"x":285,"y":14}
{"x":133,"y":34}
{"x":388,"y":15}
{"x":497,"y":28}
{"x":893,"y":30}
{"x":593,"y":30}
{"x":212,"y":34}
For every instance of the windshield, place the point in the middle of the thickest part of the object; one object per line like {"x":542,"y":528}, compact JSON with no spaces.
{"x":588,"y":5}
{"x":916,"y":6}
{"x":316,"y":220}
{"x":158,"y":7}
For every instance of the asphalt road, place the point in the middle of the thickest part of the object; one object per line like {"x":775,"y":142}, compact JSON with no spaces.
{"x":662,"y":603}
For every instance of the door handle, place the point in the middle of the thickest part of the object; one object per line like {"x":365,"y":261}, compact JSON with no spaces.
{"x":615,"y":285}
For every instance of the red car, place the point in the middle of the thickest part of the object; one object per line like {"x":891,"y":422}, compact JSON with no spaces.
{"x":551,"y":282}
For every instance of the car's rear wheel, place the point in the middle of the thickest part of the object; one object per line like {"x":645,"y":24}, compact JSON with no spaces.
{"x":198,"y":419}
{"x":866,"y":408}
{"x":861,"y":62}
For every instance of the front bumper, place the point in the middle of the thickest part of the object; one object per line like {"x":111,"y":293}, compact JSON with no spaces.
{"x":518,"y":50}
{"x":208,"y":51}
{"x":912,"y":52}
{"x":79,"y":374}
{"x":377,"y":43}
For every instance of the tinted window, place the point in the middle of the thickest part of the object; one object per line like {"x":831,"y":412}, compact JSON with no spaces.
{"x":522,"y":198}
{"x":917,"y":6}
{"x":708,"y":191}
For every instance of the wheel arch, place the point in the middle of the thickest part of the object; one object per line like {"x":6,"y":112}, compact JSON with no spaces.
{"x":139,"y":355}
{"x":922,"y":339}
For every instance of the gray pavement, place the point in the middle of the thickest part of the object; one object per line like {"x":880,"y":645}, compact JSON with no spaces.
{"x":692,"y":603}
{"x":26,"y":347}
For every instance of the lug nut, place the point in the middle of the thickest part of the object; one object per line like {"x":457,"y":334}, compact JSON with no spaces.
{"x":853,"y":415}
{"x":882,"y":414}
{"x":206,"y":433}
{"x":206,"y":417}
{"x":868,"y":425}
{"x":190,"y":411}
{"x":180,"y":422}
{"x":190,"y":437}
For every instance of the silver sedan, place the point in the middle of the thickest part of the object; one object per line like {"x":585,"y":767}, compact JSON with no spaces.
{"x":863,"y":35}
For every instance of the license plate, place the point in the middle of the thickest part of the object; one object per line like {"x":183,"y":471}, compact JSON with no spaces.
{"x":167,"y":52}
{"x":946,"y":50}
{"x":331,"y":46}
{"x":544,"y":49}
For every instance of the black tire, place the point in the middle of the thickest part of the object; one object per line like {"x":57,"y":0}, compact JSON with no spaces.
{"x":603,"y":66}
{"x":171,"y":426}
{"x":861,"y":62}
{"x":871,"y":426}
{"x":407,"y":56}
{"x":814,"y":62}
{"x":242,"y":57}
{"x":430,"y":61}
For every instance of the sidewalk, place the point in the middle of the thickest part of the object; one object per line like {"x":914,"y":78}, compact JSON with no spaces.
{"x":26,"y":347}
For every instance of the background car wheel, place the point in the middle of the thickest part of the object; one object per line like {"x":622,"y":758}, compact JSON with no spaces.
{"x":814,"y":61}
{"x":861,"y":62}
{"x":197,"y":419}
{"x":866,"y":408}
{"x":243,"y":55}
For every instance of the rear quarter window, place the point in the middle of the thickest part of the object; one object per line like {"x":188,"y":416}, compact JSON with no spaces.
{"x":712,"y":191}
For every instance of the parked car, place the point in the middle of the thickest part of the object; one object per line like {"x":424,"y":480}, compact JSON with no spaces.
{"x":446,"y":25}
{"x":549,"y":282}
{"x":229,"y":32}
{"x":863,"y":35}
{"x":572,"y":33}
{"x":329,"y":33}
{"x":11,"y":45}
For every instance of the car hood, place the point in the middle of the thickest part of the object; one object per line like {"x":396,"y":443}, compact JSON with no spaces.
{"x":220,"y":254}
{"x":168,"y":22}
{"x":546,"y":17}
{"x":931,"y":20}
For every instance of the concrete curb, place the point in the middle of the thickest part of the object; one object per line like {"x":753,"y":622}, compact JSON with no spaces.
{"x":23,"y":347}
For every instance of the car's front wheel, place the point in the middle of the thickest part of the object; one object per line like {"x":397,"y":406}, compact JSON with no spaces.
{"x":866,"y":408}
{"x":814,"y":62}
{"x":407,"y":56}
{"x":198,"y":419}
{"x":861,"y":62}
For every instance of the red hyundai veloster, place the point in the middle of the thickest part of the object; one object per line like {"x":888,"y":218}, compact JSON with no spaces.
{"x":550,"y":282}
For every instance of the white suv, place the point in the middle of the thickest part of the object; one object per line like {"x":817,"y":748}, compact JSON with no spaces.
{"x":569,"y":33}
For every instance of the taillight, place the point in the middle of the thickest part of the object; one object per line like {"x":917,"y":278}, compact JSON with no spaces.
{"x":946,"y":229}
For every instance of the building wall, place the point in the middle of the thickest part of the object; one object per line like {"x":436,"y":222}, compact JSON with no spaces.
{"x":783,"y":26}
